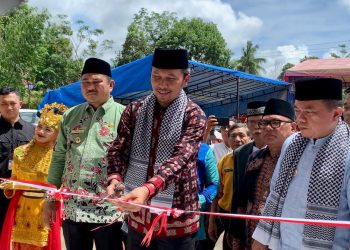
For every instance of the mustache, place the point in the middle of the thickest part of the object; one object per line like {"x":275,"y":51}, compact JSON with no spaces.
{"x":266,"y":134}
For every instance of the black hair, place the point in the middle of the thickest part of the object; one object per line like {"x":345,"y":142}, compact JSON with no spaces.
{"x":332,"y":104}
{"x":8,"y":90}
{"x":238,"y":125}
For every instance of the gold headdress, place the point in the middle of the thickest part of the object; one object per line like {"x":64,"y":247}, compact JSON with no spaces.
{"x":51,"y":114}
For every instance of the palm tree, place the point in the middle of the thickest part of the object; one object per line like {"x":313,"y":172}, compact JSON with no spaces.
{"x":248,"y":62}
{"x":342,"y":53}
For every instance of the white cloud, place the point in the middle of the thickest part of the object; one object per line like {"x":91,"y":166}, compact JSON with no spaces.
{"x":114,"y":16}
{"x":277,"y":58}
{"x":292,"y":53}
{"x":346,"y":3}
{"x":328,"y":53}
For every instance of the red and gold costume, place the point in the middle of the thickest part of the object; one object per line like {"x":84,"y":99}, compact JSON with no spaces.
{"x":31,"y":162}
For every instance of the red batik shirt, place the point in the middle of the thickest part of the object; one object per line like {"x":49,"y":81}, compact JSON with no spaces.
{"x":180,"y":168}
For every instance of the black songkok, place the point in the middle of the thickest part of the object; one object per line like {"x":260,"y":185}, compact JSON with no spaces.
{"x":318,"y":89}
{"x":255,"y":108}
{"x":170,"y":58}
{"x":279,"y":107}
{"x":97,"y":66}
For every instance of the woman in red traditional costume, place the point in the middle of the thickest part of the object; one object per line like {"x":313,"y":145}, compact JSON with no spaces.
{"x":24,"y":225}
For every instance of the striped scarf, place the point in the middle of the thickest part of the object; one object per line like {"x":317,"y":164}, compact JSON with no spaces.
{"x":324,"y":188}
{"x":170,"y":132}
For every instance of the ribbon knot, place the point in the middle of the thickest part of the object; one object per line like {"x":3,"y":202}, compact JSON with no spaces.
{"x":160,"y":222}
{"x":57,"y":195}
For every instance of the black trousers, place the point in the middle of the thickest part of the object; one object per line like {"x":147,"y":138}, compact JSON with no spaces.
{"x":206,"y":244}
{"x":78,"y":236}
{"x":4,"y":203}
{"x":180,"y":243}
{"x":222,"y":224}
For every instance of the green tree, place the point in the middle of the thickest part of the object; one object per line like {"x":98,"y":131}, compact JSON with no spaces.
{"x":343,"y":52}
{"x":308,"y":58}
{"x":143,"y":33}
{"x":20,"y":43}
{"x":85,"y":34}
{"x":203,"y":40}
{"x":57,"y":66}
{"x":35,"y":49}
{"x":284,"y":69}
{"x":38,"y":48}
{"x":150,"y":30}
{"x":233,"y":63}
{"x":248,"y":62}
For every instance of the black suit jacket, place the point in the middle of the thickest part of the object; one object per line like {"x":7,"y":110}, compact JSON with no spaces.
{"x":240,"y":160}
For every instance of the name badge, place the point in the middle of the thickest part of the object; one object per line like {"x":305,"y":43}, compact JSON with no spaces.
{"x":226,"y":170}
{"x":77,"y":131}
{"x":10,"y":165}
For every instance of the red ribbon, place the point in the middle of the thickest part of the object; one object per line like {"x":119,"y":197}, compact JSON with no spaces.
{"x":161,"y":219}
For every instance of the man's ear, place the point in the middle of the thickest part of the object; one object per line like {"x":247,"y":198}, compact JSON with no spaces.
{"x":338,"y":113}
{"x":186,"y":80}
{"x":111,"y":84}
{"x":294,"y":126}
{"x":20,"y":104}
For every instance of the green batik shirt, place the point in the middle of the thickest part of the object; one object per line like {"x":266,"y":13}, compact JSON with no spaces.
{"x":78,"y":160}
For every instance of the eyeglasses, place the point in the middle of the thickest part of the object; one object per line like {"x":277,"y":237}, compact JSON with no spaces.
{"x":272,"y":123}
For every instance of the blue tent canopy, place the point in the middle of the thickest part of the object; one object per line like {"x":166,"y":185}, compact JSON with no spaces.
{"x":219,"y":91}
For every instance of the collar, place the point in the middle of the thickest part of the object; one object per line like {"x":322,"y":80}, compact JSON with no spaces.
{"x":227,"y":147}
{"x":255,"y":148}
{"x":104,"y":106}
{"x":19,"y":122}
{"x":320,"y":141}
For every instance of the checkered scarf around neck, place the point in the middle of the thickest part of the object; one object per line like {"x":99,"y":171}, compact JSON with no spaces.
{"x":169,"y":134}
{"x":323,"y":192}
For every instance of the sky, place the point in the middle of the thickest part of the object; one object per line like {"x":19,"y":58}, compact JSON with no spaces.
{"x":285,"y":31}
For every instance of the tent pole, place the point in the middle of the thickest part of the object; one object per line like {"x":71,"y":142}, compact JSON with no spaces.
{"x":237,"y":112}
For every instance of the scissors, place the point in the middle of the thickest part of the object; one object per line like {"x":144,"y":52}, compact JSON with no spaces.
{"x":118,"y":190}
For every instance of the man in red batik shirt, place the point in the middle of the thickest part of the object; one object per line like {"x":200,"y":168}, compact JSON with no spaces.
{"x":155,"y":155}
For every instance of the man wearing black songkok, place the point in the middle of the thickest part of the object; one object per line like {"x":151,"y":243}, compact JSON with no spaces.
{"x":77,"y":162}
{"x":276,"y":125}
{"x":311,"y":179}
{"x":155,"y":156}
{"x":255,"y":111}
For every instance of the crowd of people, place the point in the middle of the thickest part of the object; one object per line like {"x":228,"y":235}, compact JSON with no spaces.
{"x":285,"y":161}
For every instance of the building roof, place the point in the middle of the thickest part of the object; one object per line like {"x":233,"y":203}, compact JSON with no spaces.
{"x":334,"y":67}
